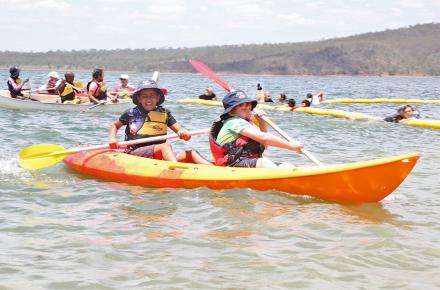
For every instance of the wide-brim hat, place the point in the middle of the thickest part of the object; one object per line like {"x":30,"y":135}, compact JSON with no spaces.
{"x":235,"y":98}
{"x":14,"y":71}
{"x":148,"y":84}
{"x":53,"y":74}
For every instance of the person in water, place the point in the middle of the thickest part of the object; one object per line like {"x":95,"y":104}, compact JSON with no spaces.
{"x":209,"y":95}
{"x":282,"y":98}
{"x":403,"y":114}
{"x":267,"y":98}
{"x":15,"y":84}
{"x":96,"y":88}
{"x":237,"y":142}
{"x":292,"y":104}
{"x":305,"y":103}
{"x":124,"y":90}
{"x":66,"y":89}
{"x":150,"y":119}
{"x":315,"y":99}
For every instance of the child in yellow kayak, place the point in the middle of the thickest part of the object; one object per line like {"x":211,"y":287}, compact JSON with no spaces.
{"x":236,"y":142}
{"x":149,"y":119}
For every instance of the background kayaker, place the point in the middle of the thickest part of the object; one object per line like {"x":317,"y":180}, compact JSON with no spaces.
{"x":237,"y":142}
{"x":124,"y":90}
{"x":15,"y":84}
{"x":51,"y":83}
{"x":66,"y":89}
{"x":149,"y":119}
{"x":403,"y":114}
{"x":209,"y":95}
{"x":305,"y":103}
{"x":96,"y":88}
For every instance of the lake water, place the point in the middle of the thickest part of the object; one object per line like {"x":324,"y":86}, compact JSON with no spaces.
{"x":63,"y":230}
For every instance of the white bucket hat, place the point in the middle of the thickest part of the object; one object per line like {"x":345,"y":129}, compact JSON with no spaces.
{"x":53,"y":74}
{"x":124,"y":76}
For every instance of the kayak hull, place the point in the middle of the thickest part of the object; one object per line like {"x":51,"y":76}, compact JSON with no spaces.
{"x":10,"y":103}
{"x":367,"y":181}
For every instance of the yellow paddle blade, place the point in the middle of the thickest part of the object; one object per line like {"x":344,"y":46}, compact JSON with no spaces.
{"x":78,"y":84}
{"x":42,"y":155}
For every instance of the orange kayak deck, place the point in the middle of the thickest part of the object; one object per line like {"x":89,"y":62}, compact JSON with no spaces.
{"x":365,"y":181}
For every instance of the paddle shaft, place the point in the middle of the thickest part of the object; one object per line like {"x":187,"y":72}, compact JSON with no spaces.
{"x":127,"y":143}
{"x":140,"y":141}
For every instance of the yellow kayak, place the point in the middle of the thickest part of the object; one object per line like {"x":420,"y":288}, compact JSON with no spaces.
{"x":379,"y":100}
{"x":329,"y":112}
{"x":425,"y":123}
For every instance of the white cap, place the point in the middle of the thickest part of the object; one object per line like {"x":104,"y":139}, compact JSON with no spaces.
{"x":124,"y":76}
{"x":53,"y":74}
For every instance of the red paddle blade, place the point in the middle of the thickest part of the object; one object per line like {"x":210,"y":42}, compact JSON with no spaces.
{"x":205,"y":70}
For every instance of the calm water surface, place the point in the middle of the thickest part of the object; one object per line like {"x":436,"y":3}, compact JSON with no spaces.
{"x":63,"y":230}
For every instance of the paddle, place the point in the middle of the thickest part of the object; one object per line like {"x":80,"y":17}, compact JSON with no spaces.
{"x":205,"y":70}
{"x":45,"y":155}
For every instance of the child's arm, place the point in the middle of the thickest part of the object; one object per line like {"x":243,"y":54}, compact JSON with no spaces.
{"x":113,"y":142}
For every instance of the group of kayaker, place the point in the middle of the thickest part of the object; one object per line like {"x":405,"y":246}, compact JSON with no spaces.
{"x":263,"y":96}
{"x":234,"y":139}
{"x":68,"y":89}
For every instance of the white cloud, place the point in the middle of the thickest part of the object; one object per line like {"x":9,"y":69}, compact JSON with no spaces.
{"x":295,"y":18}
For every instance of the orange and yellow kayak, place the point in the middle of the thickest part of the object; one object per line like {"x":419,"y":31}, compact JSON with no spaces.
{"x":365,"y":181}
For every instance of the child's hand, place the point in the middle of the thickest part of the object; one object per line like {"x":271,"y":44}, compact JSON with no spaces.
{"x":259,"y":113}
{"x":113,"y":143}
{"x":183,"y":134}
{"x":296,"y":146}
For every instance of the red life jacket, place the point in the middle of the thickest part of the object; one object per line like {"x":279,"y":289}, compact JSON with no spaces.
{"x":228,"y":154}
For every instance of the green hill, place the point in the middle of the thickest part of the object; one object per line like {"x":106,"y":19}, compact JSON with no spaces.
{"x":406,"y":51}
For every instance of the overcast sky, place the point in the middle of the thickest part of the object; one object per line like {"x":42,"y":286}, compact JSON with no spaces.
{"x":41,"y":25}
